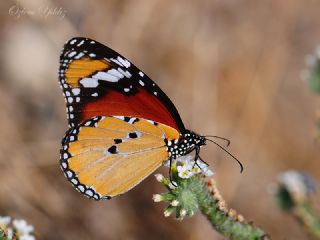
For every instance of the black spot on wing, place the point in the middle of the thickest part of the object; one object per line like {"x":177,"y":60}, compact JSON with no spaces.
{"x":133,"y":135}
{"x":112,"y":149}
{"x":117,"y":141}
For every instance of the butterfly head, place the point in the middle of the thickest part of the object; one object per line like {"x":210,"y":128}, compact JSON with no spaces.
{"x":193,"y":140}
{"x":187,"y":142}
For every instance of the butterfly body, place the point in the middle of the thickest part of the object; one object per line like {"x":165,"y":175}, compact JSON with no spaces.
{"x":185,"y":144}
{"x":122,"y":125}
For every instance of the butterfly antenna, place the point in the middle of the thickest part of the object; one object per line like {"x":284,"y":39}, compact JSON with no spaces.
{"x":241,"y":166}
{"x":222,"y":138}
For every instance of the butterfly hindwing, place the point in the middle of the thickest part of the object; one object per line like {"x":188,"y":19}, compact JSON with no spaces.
{"x":98,"y":81}
{"x":106,"y":156}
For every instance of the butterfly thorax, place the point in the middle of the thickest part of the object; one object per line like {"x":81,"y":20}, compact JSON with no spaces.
{"x":186,"y":143}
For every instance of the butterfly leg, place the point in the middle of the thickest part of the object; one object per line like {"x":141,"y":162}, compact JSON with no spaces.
{"x":197,"y":156}
{"x":170,"y":173}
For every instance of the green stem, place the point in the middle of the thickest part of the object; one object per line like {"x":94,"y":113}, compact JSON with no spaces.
{"x":308,"y":218}
{"x":219,"y":217}
{"x":193,"y":193}
{"x":294,"y":196}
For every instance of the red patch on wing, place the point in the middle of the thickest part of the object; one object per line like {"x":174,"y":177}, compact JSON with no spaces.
{"x":142,"y":105}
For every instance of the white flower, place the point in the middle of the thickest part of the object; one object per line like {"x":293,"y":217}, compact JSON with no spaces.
{"x":174,"y":203}
{"x":183,"y":212}
{"x":201,"y":164}
{"x":172,"y":185}
{"x":196,"y":169}
{"x":185,"y":171}
{"x":9,"y":233}
{"x":184,"y":160}
{"x":167,"y":213}
{"x":298,"y":184}
{"x":27,"y":237}
{"x":4,"y":221}
{"x":207,"y":172}
{"x":204,"y":168}
{"x":187,"y":167}
{"x":22,"y":227}
{"x":159,"y":177}
{"x":157,"y":198}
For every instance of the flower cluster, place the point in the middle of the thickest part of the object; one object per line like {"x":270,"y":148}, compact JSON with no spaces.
{"x":297,"y":184}
{"x":184,"y":187}
{"x":187,"y":167}
{"x":182,"y":198}
{"x":17,"y":229}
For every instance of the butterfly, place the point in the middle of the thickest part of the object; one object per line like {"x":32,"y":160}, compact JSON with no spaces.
{"x":122,"y":125}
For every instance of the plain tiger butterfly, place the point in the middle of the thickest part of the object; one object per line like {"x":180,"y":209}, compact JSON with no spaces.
{"x":122,"y":125}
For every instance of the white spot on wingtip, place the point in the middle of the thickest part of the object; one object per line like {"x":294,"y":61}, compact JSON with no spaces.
{"x":71,"y":55}
{"x":141,"y":82}
{"x":74,"y":181}
{"x":125,"y":73}
{"x":88,"y":123}
{"x":80,"y":43}
{"x":89,"y":82}
{"x":89,"y":192}
{"x":124,"y":62}
{"x":73,"y":41}
{"x":116,"y":73}
{"x":81,"y":188}
{"x":80,"y":55}
{"x":106,"y":76}
{"x":64,"y":165}
{"x":69,"y":174}
{"x":76,"y":91}
{"x":116,"y":61}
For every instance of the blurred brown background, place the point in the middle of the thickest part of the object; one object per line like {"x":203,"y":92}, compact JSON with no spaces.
{"x":232,"y":68}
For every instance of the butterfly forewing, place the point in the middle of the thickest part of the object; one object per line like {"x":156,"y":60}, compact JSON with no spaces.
{"x":97,"y":81}
{"x":107,"y":156}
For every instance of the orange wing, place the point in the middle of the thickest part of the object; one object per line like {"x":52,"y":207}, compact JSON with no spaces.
{"x":107,"y":156}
